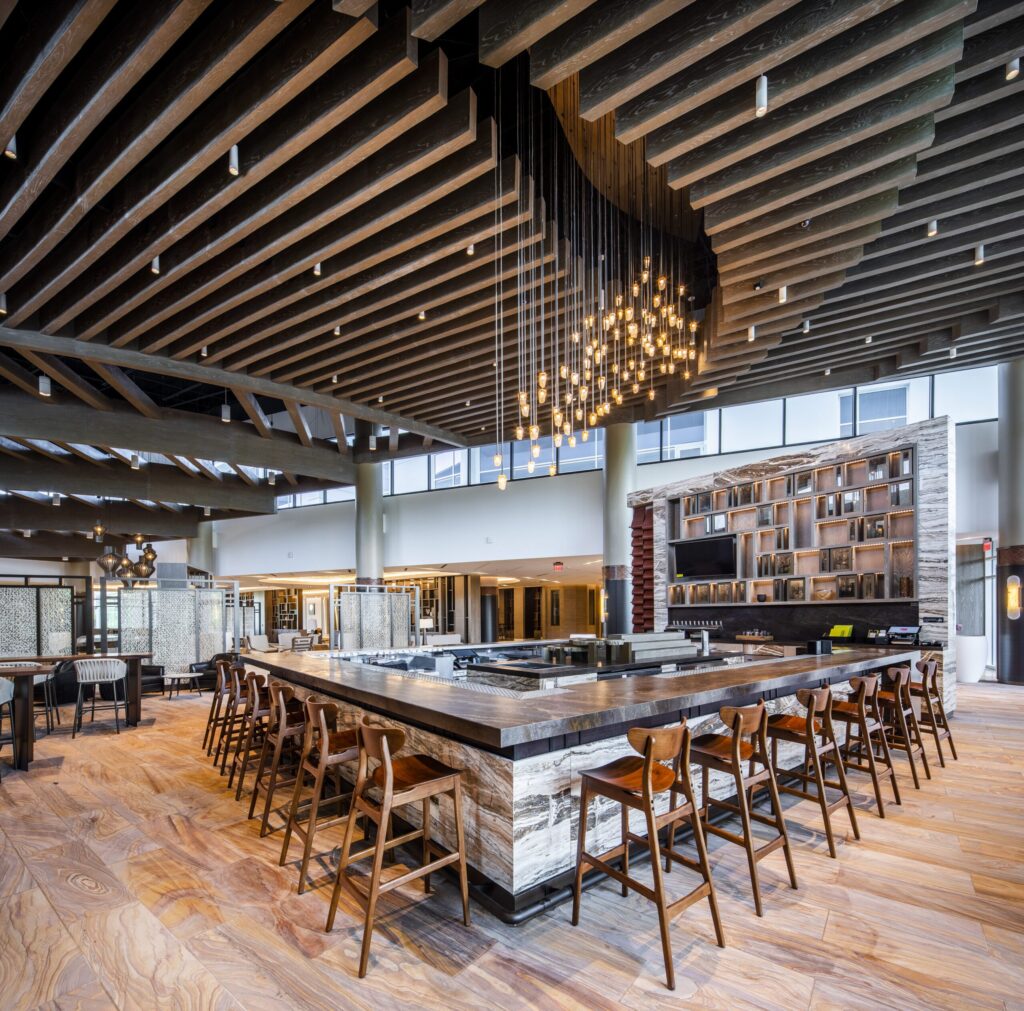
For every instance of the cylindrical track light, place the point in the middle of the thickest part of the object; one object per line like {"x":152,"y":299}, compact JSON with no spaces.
{"x":761,"y":96}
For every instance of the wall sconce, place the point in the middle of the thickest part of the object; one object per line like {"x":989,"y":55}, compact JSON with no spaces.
{"x":1013,"y":597}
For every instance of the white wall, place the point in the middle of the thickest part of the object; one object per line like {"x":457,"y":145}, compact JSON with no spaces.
{"x":977,"y":480}
{"x":539,"y":518}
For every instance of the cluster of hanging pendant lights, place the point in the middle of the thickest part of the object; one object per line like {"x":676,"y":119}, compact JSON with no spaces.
{"x":596,"y":329}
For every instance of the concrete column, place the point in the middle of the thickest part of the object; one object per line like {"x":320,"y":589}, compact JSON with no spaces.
{"x":488,"y":614}
{"x":200,"y":550}
{"x":369,"y":523}
{"x":1010,"y":560}
{"x":619,"y":478}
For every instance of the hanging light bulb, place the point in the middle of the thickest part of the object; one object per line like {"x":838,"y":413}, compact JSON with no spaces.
{"x":524,"y":410}
{"x":567,"y":428}
{"x":520,"y":432}
{"x":502,"y":481}
{"x":542,"y":379}
{"x":636,"y":387}
{"x":579,"y":413}
{"x":572,"y":441}
{"x":650,"y":394}
{"x":535,"y":432}
{"x":552,"y":470}
{"x":535,"y":450}
{"x":530,"y":466}
{"x":109,"y":561}
{"x":557,"y":440}
{"x":45,"y":387}
{"x":542,"y":396}
{"x":584,"y":435}
{"x":761,"y":96}
{"x":497,"y":459}
{"x":11,"y":148}
{"x":138,"y":538}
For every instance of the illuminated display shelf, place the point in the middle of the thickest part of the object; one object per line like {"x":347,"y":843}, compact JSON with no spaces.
{"x":789,"y":548}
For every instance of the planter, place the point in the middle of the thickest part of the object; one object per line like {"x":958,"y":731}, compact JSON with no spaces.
{"x":970,"y":658}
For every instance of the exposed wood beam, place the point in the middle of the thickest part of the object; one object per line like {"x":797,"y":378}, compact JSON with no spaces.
{"x":128,"y":388}
{"x":55,"y":33}
{"x":299,"y":423}
{"x":135,"y":42}
{"x":767,"y":44}
{"x":671,"y":47}
{"x":601,"y":28}
{"x":60,"y":373}
{"x":79,"y":451}
{"x":508,"y":29}
{"x":338,"y":423}
{"x":432,"y":18}
{"x":155,"y":482}
{"x":30,"y":340}
{"x":20,"y":377}
{"x":128,"y":136}
{"x":175,"y":433}
{"x":49,"y":546}
{"x":255,"y":413}
{"x":120,"y":518}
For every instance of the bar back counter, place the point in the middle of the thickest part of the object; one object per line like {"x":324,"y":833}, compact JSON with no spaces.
{"x":523,"y":741}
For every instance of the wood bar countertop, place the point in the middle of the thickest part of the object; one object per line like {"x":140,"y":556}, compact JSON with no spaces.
{"x":496,"y":722}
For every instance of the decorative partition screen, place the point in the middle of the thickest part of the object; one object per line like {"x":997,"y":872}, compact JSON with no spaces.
{"x":373,"y":617}
{"x":36,"y":620}
{"x":181,"y":626}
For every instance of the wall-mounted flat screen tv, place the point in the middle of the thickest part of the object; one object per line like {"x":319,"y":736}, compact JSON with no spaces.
{"x":706,"y":558}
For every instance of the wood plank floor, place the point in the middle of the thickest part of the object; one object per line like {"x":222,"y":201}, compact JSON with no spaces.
{"x":130,"y":879}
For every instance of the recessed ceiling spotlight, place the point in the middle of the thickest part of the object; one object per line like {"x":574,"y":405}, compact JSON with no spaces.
{"x":1012,"y":69}
{"x":761,"y":96}
{"x":933,"y":229}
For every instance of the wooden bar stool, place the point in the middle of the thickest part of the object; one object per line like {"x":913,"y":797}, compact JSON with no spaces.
{"x":933,"y":713}
{"x":324,"y":750}
{"x":747,"y":743}
{"x":234,"y":707}
{"x":868,"y":749}
{"x":255,"y":718}
{"x":221,"y":692}
{"x":815,"y":732}
{"x":901,"y":726}
{"x":633,"y":782}
{"x":286,"y":730}
{"x":411,"y":779}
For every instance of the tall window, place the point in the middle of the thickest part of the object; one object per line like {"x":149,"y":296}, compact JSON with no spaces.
{"x":587,"y":455}
{"x":692,"y":434}
{"x":818,"y":416}
{"x":522,"y":455}
{"x":483,"y":470}
{"x":648,"y":441}
{"x":410,"y":474}
{"x":752,"y":426}
{"x":448,"y":469}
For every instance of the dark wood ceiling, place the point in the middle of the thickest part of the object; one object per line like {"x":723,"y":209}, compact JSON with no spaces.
{"x":298,"y":208}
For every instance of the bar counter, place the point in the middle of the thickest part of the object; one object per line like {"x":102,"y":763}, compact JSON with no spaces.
{"x":522,"y":751}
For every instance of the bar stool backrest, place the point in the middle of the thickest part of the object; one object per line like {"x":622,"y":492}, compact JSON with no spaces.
{"x":659,"y":745}
{"x":900,"y":677}
{"x":321,"y":719}
{"x":255,"y":691}
{"x":381,"y":743}
{"x":280,"y":695}
{"x":746,"y":721}
{"x":816,"y":700}
{"x":223,"y":677}
{"x":929,"y":673}
{"x":100,"y":671}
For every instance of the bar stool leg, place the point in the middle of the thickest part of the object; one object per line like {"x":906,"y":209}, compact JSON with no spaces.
{"x":425,"y":815}
{"x":901,"y":718}
{"x":659,"y":897}
{"x":705,"y":866}
{"x":580,"y":849}
{"x":211,"y":721}
{"x":293,"y":814}
{"x":260,"y":767}
{"x":307,"y":845}
{"x":117,"y":721}
{"x":945,"y":726}
{"x":915,"y":729}
{"x":926,"y":702}
{"x":819,"y":781}
{"x":275,"y":766}
{"x":837,"y":760}
{"x":460,"y":840}
{"x":346,"y":848}
{"x":748,"y":840}
{"x":780,"y":824}
{"x":624,"y":824}
{"x":76,"y":723}
{"x":371,"y":901}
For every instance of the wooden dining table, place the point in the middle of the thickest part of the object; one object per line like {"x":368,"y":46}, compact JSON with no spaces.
{"x":24,"y":681}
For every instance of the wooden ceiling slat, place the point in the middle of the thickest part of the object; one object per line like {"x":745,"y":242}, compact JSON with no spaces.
{"x":20,"y":377}
{"x":452,"y":301}
{"x":457,"y":274}
{"x":263,"y":87}
{"x":602,"y":27}
{"x":797,"y":259}
{"x":839,"y":112}
{"x":432,"y":18}
{"x":508,"y":29}
{"x":359,"y":174}
{"x":128,"y":388}
{"x":672,"y":47}
{"x":371,"y":211}
{"x":855,"y":49}
{"x":808,"y":208}
{"x":53,"y":37}
{"x":60,"y":373}
{"x":837,"y":138}
{"x":790,"y":276}
{"x":135,"y":43}
{"x":255,"y":413}
{"x":993,"y":48}
{"x":77,"y":517}
{"x":789,"y":33}
{"x":460,"y":218}
{"x":127,"y":137}
{"x":299,"y":423}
